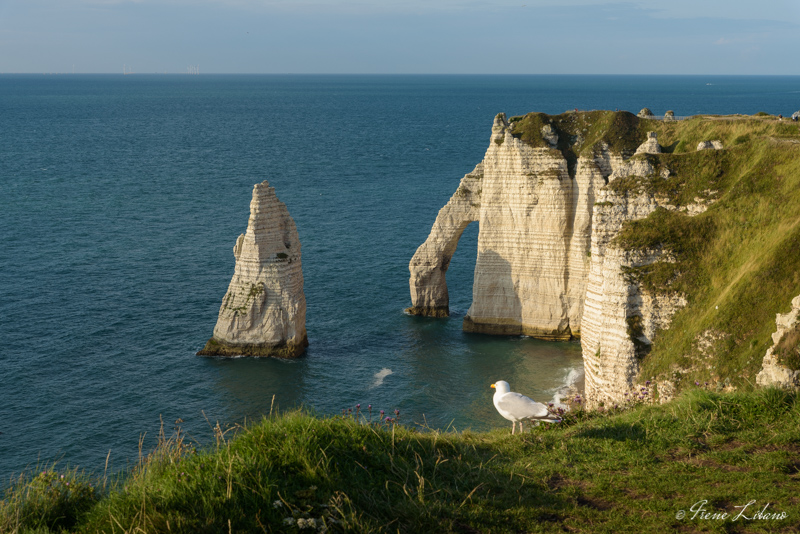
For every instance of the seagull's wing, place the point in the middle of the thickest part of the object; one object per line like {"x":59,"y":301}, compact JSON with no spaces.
{"x":521,"y":407}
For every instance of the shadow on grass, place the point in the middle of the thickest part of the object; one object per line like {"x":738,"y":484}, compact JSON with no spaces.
{"x":616,"y":432}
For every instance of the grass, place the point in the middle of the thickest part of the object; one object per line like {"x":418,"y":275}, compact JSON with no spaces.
{"x":628,"y":470}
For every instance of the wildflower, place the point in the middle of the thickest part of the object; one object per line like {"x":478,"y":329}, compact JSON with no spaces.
{"x":62,"y":476}
{"x":647,"y":383}
{"x":288,"y":521}
{"x":626,"y":394}
{"x":369,"y":406}
{"x":397,"y":412}
{"x":696,"y":383}
{"x":358,"y":406}
{"x":277,"y":504}
{"x":306,"y":523}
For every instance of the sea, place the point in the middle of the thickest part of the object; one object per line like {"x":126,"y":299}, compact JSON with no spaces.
{"x":123,"y":195}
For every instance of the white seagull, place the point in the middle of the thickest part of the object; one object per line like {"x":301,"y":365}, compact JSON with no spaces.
{"x":518,"y":408}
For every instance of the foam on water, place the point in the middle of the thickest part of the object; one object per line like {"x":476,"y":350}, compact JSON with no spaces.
{"x":380,"y":376}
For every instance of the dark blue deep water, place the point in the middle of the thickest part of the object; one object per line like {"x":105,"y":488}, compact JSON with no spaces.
{"x":122,"y":197}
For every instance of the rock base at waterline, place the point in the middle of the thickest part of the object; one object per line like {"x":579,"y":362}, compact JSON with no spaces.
{"x":215,"y":347}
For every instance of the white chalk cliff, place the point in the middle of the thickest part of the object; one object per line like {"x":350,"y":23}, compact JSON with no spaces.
{"x":263,"y":313}
{"x":773,"y":371}
{"x":546,"y":265}
{"x":620,"y":319}
{"x":534,"y":214}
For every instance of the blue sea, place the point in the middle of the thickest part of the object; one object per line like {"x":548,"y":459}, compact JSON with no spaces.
{"x":124,"y":195}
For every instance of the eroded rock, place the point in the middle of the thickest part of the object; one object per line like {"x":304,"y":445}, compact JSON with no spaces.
{"x":263,"y":313}
{"x":650,"y":146}
{"x":713,"y":145}
{"x":775,"y":370}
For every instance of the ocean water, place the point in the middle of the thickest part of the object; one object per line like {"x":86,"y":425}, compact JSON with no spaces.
{"x":124,"y":195}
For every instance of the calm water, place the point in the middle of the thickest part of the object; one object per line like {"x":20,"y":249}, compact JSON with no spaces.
{"x":122,"y":199}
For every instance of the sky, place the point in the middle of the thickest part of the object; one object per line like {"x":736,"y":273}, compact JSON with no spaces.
{"x":401,"y":36}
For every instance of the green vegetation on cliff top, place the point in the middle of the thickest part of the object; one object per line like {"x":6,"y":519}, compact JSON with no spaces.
{"x":621,"y":131}
{"x":632,"y":470}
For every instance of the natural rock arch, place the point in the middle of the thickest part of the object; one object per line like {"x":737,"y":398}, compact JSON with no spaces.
{"x":429,"y":295}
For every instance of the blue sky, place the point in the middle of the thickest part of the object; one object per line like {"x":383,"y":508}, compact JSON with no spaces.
{"x":402,"y":36}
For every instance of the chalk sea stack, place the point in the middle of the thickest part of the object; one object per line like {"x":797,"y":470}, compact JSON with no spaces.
{"x":263,"y":312}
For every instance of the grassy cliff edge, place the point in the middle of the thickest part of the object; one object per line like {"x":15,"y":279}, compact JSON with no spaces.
{"x":631,"y":470}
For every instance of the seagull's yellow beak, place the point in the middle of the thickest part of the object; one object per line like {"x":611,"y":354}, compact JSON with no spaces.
{"x":492,"y":386}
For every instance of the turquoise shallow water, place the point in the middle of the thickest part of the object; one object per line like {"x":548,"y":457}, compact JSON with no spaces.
{"x":123,"y":197}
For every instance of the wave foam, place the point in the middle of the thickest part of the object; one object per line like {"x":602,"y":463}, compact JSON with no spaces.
{"x":380,"y":376}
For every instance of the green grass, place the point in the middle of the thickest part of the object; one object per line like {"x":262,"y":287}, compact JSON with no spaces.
{"x":622,"y":471}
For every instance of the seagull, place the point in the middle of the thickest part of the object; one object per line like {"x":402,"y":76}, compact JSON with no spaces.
{"x":516,"y":407}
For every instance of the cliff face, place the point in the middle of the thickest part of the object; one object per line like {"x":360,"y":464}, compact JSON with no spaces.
{"x":781,"y":364}
{"x":263,"y":313}
{"x":620,"y":319}
{"x":534,"y":210}
{"x":599,"y":225}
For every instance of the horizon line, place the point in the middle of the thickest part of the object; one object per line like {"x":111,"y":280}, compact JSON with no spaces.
{"x":178,"y":73}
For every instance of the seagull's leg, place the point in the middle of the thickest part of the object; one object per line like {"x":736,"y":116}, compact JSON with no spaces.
{"x":513,"y":427}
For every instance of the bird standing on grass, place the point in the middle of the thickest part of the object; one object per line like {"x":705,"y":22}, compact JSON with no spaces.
{"x":518,"y":408}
